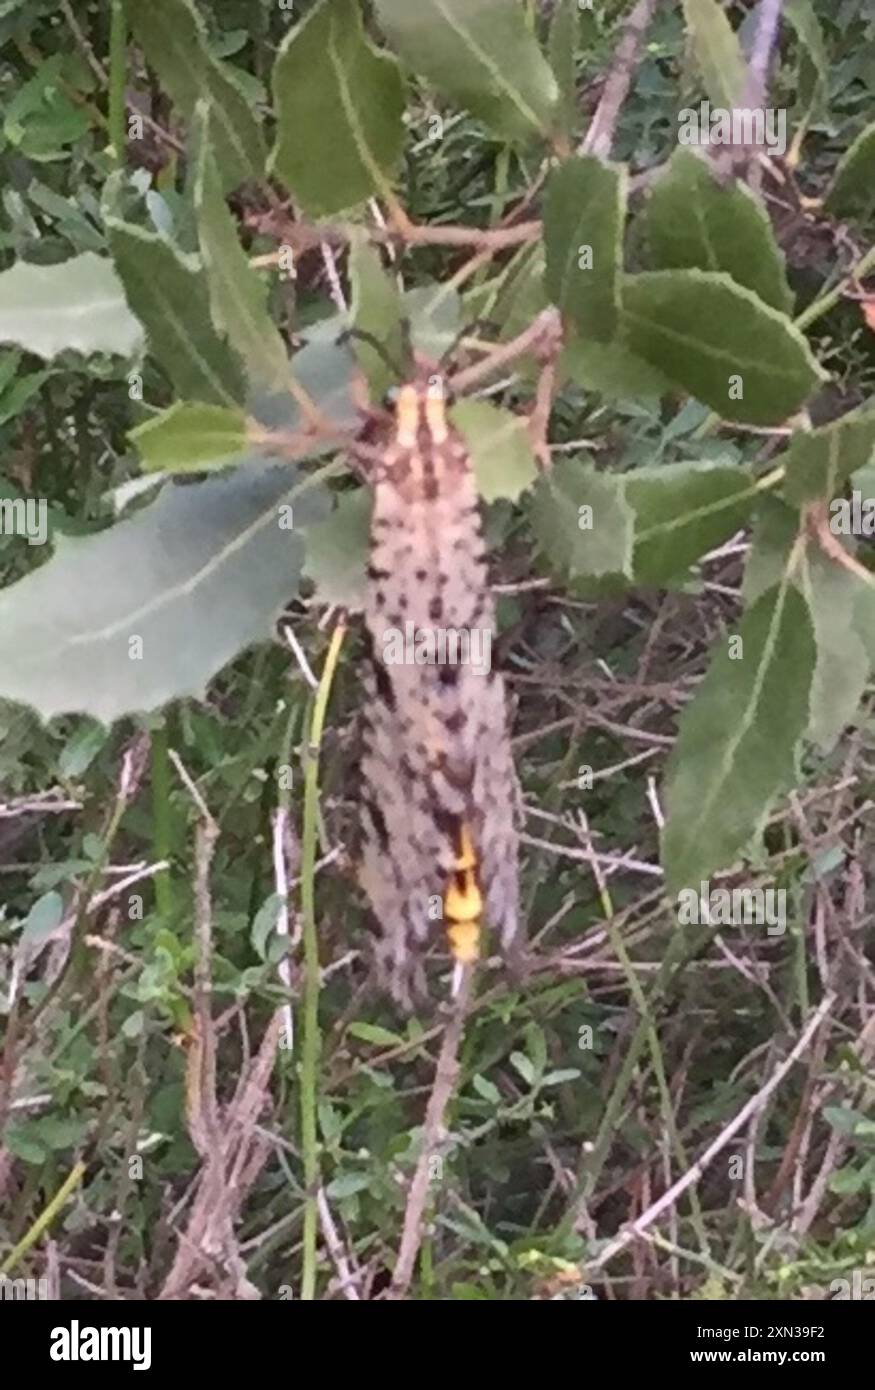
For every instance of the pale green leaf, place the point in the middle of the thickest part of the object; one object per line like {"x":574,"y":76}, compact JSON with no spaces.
{"x":149,"y":609}
{"x":190,"y":438}
{"x":582,"y":521}
{"x":78,"y":305}
{"x":501,"y":450}
{"x":718,"y":52}
{"x":337,"y":551}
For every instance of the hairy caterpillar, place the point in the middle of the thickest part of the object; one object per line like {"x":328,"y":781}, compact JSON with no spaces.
{"x":438,"y":810}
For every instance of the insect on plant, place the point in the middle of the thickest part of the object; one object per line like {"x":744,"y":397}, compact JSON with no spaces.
{"x":439,"y":840}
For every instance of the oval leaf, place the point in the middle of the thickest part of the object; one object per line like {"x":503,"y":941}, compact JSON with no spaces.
{"x":483,"y":54}
{"x":720,"y":343}
{"x":339,"y":107}
{"x":737,"y":740}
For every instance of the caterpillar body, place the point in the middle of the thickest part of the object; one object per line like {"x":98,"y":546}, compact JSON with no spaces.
{"x":438,"y":809}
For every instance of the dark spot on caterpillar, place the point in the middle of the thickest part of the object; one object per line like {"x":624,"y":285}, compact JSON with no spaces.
{"x":436,"y":609}
{"x":379,"y":824}
{"x":454,"y":723}
{"x":447,"y":824}
{"x":384,"y":686}
{"x":374,"y":572}
{"x":448,"y":675}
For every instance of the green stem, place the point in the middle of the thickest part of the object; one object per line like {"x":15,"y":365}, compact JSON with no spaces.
{"x":161,"y":829}
{"x":45,"y":1218}
{"x":311,"y":1042}
{"x":118,"y":38}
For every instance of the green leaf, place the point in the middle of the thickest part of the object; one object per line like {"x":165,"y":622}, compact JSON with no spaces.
{"x":14,"y":400}
{"x":238,"y":298}
{"x":682,"y":511}
{"x":376,"y":310}
{"x":23,"y":1145}
{"x":76,"y":306}
{"x":711,"y":337}
{"x":718,"y":52}
{"x":843,"y":1119}
{"x":44,"y":917}
{"x":691,"y":220}
{"x":190,"y":437}
{"x":264,"y":924}
{"x":435,"y":316}
{"x":81,"y":749}
{"x":500,"y":447}
{"x":737,"y":740}
{"x":169,"y":293}
{"x":853,"y":189}
{"x":324,"y":369}
{"x":486,"y":1089}
{"x":337,"y":551}
{"x":842,"y":670}
{"x":149,"y":609}
{"x":561,"y":46}
{"x":832,"y":595}
{"x":582,"y":521}
{"x":40,"y":119}
{"x":372,"y":1033}
{"x":521,"y":1063}
{"x":482,"y":54}
{"x":819,"y":462}
{"x":584,"y":210}
{"x":172,"y":36}
{"x":611,"y":369}
{"x":339,"y":106}
{"x":347,"y":1185}
{"x":803,"y":18}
